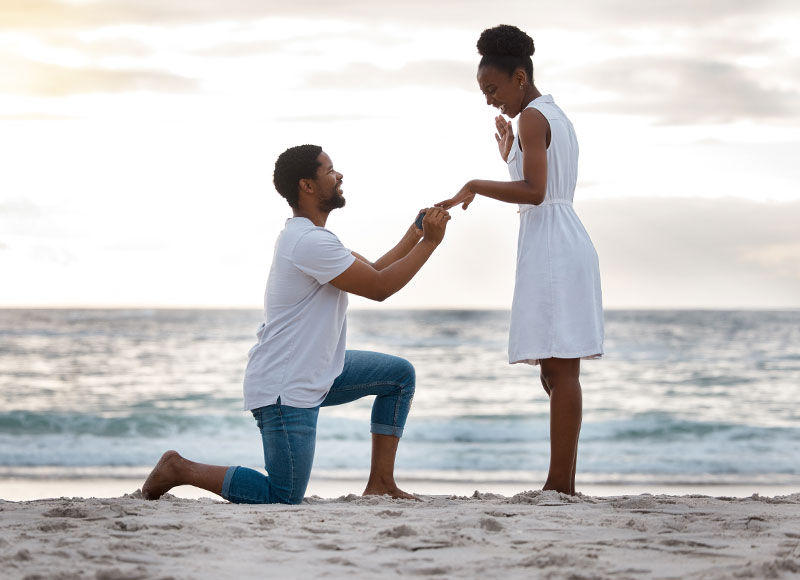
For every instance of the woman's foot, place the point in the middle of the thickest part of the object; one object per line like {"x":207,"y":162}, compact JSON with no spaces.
{"x":165,"y":476}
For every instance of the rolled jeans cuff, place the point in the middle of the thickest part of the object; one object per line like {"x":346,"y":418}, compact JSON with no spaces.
{"x":226,"y":482}
{"x":392,"y":430}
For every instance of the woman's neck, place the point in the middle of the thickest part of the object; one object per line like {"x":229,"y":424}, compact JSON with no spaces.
{"x":531,"y":94}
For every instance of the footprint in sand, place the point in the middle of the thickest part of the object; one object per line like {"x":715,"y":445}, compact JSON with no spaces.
{"x":491,"y":524}
{"x":438,"y":571}
{"x":398,"y":532}
{"x":390,"y":514}
{"x":66,"y":512}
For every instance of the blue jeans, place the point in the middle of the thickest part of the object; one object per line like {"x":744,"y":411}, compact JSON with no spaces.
{"x":289,"y":433}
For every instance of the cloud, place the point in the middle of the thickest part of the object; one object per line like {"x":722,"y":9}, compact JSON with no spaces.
{"x":684,"y":90}
{"x":677,"y":12}
{"x":732,"y":46}
{"x":306,"y":42}
{"x":17,"y":214}
{"x":240,"y":49}
{"x":686,"y":252}
{"x":783,"y":258}
{"x":27,"y":77}
{"x":707,"y":84}
{"x":34,"y":116}
{"x":19,"y":208}
{"x":330,"y":118}
{"x":102,"y":47}
{"x":474,"y":13}
{"x":429,"y":73}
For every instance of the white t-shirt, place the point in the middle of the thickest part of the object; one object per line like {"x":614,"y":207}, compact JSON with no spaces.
{"x":301,"y":342}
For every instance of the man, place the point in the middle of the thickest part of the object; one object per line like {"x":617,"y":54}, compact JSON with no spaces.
{"x":300,"y":363}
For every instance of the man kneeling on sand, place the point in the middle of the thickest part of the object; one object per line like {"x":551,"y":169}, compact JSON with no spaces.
{"x":300,"y":363}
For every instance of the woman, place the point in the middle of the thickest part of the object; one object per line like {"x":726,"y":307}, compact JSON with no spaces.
{"x":557,"y":313}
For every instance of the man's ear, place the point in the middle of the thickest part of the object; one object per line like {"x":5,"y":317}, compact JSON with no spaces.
{"x":306,"y":185}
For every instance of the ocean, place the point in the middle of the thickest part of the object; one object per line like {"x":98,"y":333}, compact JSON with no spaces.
{"x":681,"y":397}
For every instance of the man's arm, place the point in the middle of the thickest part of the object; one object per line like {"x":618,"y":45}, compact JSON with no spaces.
{"x":363,"y":279}
{"x":403,"y":247}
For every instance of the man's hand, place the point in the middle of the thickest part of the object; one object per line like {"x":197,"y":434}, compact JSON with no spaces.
{"x":434,"y":224}
{"x":417,"y":231}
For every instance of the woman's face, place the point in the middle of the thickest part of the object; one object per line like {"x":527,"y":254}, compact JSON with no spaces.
{"x":501,"y":90}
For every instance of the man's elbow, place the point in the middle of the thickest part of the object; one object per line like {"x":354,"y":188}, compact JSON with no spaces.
{"x":382,"y":290}
{"x":376,"y":297}
{"x":374,"y":292}
{"x":382,"y":294}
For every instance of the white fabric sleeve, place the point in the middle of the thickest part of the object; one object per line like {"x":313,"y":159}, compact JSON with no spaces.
{"x":321,"y":255}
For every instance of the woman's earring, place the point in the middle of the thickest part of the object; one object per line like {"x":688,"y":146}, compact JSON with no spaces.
{"x":521,"y":86}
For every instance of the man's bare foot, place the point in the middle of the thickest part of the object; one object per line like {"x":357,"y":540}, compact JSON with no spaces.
{"x":393,"y":491}
{"x":165,"y":476}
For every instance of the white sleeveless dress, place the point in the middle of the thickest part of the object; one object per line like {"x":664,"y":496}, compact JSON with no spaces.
{"x":558,"y":308}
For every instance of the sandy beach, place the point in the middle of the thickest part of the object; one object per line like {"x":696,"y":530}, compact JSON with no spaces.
{"x":532,"y":534}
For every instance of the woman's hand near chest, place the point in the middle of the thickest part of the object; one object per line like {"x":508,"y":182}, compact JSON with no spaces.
{"x":504,"y":136}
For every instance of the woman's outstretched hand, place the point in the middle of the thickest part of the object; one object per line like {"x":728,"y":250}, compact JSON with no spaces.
{"x":464,"y":197}
{"x":504,"y":136}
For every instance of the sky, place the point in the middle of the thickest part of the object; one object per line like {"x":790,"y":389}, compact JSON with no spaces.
{"x":138,"y":140}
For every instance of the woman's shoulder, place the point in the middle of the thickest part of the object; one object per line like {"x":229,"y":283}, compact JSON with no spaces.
{"x":532,"y":120}
{"x":544,"y":105}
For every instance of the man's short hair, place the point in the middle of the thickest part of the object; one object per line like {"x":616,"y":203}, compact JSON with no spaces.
{"x":294,"y":164}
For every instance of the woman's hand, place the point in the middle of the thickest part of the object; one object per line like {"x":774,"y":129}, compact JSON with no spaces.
{"x":504,"y":136}
{"x":464,"y":197}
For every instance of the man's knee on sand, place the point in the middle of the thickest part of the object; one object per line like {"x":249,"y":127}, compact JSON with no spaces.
{"x":407,"y":373}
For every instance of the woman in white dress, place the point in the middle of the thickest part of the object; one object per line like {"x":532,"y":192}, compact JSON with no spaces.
{"x":557,"y":312}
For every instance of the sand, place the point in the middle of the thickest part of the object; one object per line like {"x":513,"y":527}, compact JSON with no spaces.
{"x":528,"y":535}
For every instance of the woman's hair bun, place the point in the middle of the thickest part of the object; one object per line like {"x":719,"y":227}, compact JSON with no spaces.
{"x":505,"y":40}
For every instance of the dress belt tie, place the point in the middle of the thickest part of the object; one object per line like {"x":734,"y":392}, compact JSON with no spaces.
{"x":545,"y":202}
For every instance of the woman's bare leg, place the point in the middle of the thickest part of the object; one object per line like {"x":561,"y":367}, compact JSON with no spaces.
{"x":561,"y":378}
{"x":173,"y":470}
{"x":574,"y":466}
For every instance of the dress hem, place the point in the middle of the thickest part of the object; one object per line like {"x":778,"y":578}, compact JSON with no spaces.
{"x":534,"y":359}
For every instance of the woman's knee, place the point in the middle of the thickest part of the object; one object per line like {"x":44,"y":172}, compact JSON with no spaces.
{"x":545,"y":386}
{"x":559,"y":370}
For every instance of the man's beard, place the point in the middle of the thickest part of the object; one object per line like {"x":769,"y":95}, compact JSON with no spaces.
{"x":332,"y":203}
